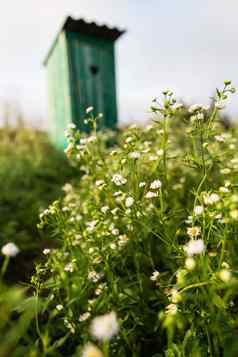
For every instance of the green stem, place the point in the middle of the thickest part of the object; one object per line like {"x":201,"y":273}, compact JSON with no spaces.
{"x":200,"y":186}
{"x":210,"y":349}
{"x":37,"y":323}
{"x":203,"y":154}
{"x":4,"y":266}
{"x":164,"y":147}
{"x":223,"y":243}
{"x":161,"y":202}
{"x":209,"y":230}
{"x":211,"y":119}
{"x":195,"y":286}
{"x":105,"y":348}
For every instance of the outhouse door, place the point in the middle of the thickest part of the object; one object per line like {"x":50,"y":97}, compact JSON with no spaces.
{"x":92,"y":79}
{"x":86,"y":78}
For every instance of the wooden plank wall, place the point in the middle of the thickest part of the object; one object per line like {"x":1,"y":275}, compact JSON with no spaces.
{"x":59,"y":92}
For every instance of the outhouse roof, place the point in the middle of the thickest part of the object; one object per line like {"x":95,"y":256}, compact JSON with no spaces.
{"x":87,"y":28}
{"x":91,"y":28}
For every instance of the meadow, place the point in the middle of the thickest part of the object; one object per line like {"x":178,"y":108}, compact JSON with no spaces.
{"x":136,"y":251}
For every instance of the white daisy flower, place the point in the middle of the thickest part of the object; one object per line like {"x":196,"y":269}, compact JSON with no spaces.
{"x":105,"y":327}
{"x":155,"y":276}
{"x":193,"y":231}
{"x":59,"y":307}
{"x":89,"y":110}
{"x":123,"y":240}
{"x":224,"y":189}
{"x":119,"y":180}
{"x":134,"y":155}
{"x":220,"y":105}
{"x":211,"y":199}
{"x":100,"y":289}
{"x":198,"y":210}
{"x":178,"y":106}
{"x":176,"y":297}
{"x":160,"y":152}
{"x":151,"y":194}
{"x":129,"y":139}
{"x":10,"y":250}
{"x":220,"y":138}
{"x":99,"y":182}
{"x":94,"y":276}
{"x":91,"y":350}
{"x":194,"y":108}
{"x":69,"y":268}
{"x":104,"y":209}
{"x":171,"y":309}
{"x":194,"y":247}
{"x":113,"y":246}
{"x":129,"y":202}
{"x":85,"y":316}
{"x":115,"y":231}
{"x":155,"y":185}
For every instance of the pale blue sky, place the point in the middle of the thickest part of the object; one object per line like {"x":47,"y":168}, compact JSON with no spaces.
{"x":189,"y":46}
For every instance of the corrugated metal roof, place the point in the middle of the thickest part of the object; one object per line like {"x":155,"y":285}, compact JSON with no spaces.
{"x":91,"y":28}
{"x":87,"y":28}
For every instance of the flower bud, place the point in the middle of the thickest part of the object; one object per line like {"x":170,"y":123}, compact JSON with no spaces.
{"x":225,"y":275}
{"x":190,"y":263}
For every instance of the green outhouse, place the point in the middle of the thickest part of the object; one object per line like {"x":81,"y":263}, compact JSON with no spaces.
{"x":81,"y":73}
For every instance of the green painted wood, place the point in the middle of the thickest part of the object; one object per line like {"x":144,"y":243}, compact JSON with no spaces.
{"x":59,"y":92}
{"x":109,"y":87}
{"x":81,"y":73}
{"x":87,"y":54}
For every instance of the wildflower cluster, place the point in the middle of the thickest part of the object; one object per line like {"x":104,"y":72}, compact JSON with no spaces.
{"x":149,"y":231}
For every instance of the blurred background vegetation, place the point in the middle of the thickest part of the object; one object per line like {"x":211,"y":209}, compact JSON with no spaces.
{"x":32,"y":173}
